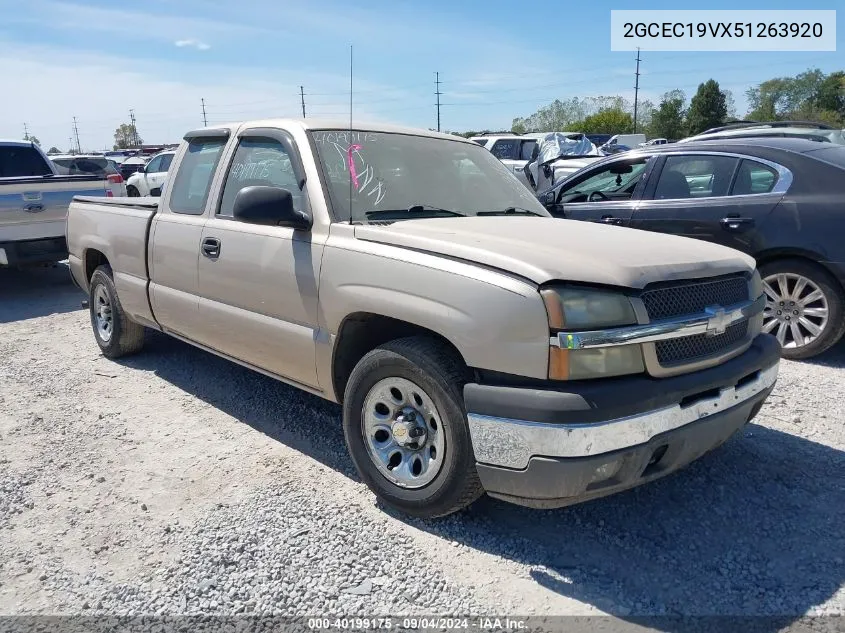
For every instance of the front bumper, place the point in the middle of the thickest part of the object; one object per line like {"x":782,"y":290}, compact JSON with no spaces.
{"x":590,"y":440}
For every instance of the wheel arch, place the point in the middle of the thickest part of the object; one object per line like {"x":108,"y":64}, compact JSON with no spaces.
{"x":361,"y":332}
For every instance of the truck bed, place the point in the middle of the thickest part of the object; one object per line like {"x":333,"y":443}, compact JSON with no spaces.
{"x":119,"y":229}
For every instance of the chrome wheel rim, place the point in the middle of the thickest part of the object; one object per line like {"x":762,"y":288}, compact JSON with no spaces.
{"x":796,"y":311}
{"x":403,"y":433}
{"x":103,"y":317}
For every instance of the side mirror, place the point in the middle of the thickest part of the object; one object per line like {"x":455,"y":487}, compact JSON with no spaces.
{"x":142,"y":169}
{"x":269,"y":206}
{"x":548,"y":199}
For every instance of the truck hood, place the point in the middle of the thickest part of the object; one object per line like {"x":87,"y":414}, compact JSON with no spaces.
{"x":547,"y":249}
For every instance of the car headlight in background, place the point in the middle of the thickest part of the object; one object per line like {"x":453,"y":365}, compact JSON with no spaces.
{"x":573,"y":308}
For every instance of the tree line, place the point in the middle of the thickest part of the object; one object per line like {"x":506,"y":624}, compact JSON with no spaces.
{"x":808,"y":96}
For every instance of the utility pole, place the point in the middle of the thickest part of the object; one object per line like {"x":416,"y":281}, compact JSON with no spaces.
{"x":437,"y":93}
{"x":302,"y":99}
{"x":204,"y":119}
{"x":636,"y":89}
{"x":76,"y":134}
{"x":70,"y":146}
{"x":25,"y":133}
{"x":134,"y":127}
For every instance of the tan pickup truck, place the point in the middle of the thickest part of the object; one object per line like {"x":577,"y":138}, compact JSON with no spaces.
{"x":475,"y":343}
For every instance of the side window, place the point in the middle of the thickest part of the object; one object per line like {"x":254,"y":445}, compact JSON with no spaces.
{"x":166,"y":159}
{"x":506,"y":149}
{"x":527,"y":149}
{"x":193,"y":178}
{"x":695,"y":176}
{"x":259,"y":161}
{"x":615,"y":181}
{"x":753,"y":177}
{"x":154,"y":166}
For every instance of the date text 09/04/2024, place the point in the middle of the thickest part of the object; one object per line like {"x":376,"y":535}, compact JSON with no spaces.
{"x":409,"y":623}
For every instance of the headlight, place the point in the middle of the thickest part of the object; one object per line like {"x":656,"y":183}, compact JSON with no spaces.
{"x":602,"y":362}
{"x":590,"y":309}
{"x":586,"y":308}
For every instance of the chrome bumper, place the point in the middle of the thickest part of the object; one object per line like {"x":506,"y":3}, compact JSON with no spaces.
{"x":512,"y":443}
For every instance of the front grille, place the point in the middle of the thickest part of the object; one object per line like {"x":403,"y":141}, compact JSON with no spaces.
{"x":692,"y":348}
{"x":693,"y":297}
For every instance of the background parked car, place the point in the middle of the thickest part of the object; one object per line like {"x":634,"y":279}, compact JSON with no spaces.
{"x":131,"y":165}
{"x":515,"y":151}
{"x":90,"y":164}
{"x":809,"y":130}
{"x":777,"y":199}
{"x":149,"y":178}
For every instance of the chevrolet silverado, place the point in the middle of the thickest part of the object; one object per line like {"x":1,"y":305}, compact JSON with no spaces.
{"x":474,"y":342}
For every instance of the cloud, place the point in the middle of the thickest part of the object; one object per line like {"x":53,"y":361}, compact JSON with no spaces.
{"x":200,"y":46}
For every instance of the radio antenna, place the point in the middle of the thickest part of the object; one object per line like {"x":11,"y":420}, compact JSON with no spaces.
{"x":351,"y":158}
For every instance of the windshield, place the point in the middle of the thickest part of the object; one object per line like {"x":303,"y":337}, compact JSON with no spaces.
{"x":432,"y":177}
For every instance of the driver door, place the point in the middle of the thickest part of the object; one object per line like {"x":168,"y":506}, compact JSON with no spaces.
{"x":608,"y":193}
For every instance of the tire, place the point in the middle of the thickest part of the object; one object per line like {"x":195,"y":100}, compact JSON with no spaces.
{"x":115,"y":334}
{"x":832,"y":299}
{"x":433,"y":368}
{"x":132,"y":192}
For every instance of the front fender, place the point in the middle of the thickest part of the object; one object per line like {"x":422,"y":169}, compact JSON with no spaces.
{"x":496,"y":322}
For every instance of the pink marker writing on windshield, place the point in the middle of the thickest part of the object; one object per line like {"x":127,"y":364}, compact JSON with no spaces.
{"x":352,"y":173}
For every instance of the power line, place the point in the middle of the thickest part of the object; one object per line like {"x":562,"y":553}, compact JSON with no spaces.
{"x":437,"y":93}
{"x":302,"y":99}
{"x":76,"y":133}
{"x":204,"y":118}
{"x":636,"y":89}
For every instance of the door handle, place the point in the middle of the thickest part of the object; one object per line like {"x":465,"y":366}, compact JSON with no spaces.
{"x":732,"y":223}
{"x":609,"y":219}
{"x":211,"y":247}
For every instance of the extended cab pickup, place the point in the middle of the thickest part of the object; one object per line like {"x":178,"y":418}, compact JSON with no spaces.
{"x":34,"y":200}
{"x":475,"y":343}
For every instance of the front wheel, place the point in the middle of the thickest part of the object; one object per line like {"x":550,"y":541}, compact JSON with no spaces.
{"x":406,"y":428}
{"x":805,"y":307}
{"x":132,"y":192}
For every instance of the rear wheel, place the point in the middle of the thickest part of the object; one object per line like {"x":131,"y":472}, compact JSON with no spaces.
{"x":805,"y":307}
{"x":406,"y":428}
{"x":115,"y":334}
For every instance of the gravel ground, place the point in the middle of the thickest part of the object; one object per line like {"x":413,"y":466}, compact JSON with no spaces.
{"x":174,"y":482}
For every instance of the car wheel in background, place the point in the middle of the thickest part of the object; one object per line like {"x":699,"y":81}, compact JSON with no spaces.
{"x":805,"y":307}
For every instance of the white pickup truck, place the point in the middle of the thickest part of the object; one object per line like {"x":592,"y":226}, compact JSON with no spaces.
{"x":475,"y":343}
{"x":34,"y":199}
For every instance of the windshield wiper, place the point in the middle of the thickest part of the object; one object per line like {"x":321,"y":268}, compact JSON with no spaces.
{"x":415,"y":209}
{"x":511,"y":211}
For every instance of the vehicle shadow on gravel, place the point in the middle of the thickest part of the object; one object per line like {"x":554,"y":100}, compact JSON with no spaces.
{"x":35,"y":292}
{"x":834,"y":357}
{"x":755,"y":528}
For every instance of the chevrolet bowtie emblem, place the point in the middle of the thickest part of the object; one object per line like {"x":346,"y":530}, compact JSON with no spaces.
{"x":719,"y":320}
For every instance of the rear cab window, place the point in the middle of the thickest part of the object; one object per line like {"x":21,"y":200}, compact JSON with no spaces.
{"x":192,"y":182}
{"x":21,"y":161}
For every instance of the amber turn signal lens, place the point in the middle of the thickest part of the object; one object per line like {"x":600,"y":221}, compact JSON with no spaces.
{"x":558,"y":363}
